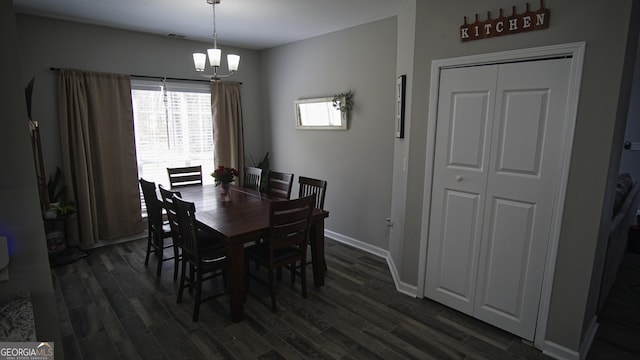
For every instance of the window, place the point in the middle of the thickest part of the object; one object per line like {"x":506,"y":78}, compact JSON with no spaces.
{"x":173,"y":127}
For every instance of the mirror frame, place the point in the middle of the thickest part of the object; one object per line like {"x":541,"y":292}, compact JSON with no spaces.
{"x":329,"y":101}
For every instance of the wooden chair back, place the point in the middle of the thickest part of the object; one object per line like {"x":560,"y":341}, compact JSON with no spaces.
{"x":184,"y":176}
{"x":185,"y":213}
{"x":154,"y":208}
{"x":289,"y":223}
{"x":251,"y":178}
{"x":309,"y":186}
{"x":167,"y":201}
{"x":279,"y":185}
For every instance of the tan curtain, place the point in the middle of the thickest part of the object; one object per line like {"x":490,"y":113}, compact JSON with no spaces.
{"x":226,"y":110}
{"x":99,"y":154}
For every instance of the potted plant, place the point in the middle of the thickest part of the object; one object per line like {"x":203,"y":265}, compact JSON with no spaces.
{"x":264,"y":165}
{"x":55,"y":189}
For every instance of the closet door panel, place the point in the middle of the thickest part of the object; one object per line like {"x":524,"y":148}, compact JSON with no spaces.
{"x":465,"y":114}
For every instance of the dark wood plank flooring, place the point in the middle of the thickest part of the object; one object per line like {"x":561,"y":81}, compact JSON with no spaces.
{"x":111,"y":306}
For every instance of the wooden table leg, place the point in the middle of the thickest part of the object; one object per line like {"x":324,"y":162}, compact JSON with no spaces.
{"x":317,"y":252}
{"x":235,"y":274}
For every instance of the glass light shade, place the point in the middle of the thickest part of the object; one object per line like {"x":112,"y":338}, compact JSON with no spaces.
{"x":199,"y":59}
{"x":233,"y":61}
{"x":214,"y":56}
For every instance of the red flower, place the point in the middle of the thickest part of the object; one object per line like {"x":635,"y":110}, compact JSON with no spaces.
{"x":224,"y":175}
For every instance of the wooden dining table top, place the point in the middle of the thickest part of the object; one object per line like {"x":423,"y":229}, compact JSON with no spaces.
{"x":244,"y":219}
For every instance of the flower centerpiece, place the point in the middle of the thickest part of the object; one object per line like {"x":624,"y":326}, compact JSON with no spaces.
{"x":224,"y":175}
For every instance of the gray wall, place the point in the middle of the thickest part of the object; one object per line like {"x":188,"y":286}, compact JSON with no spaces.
{"x":49,"y":43}
{"x":437,"y":37}
{"x":405,"y":64}
{"x":362,"y":164}
{"x":20,"y":219}
{"x":630,"y":160}
{"x":356,"y":163}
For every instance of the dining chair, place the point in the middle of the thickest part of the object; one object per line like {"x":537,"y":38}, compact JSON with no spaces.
{"x":205,"y":263}
{"x":184,"y":176}
{"x":279,"y":185}
{"x":285,"y":244}
{"x":309,"y":186}
{"x":158,"y":231}
{"x":251,"y":178}
{"x":317,"y":188}
{"x":167,"y":201}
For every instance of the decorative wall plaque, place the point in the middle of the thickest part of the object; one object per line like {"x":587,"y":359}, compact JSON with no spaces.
{"x":505,"y":25}
{"x":401,"y":89}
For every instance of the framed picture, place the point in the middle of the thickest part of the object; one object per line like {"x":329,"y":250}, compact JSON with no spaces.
{"x":400,"y":93}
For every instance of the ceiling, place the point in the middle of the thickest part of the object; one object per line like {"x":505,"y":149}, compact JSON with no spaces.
{"x":252,"y":24}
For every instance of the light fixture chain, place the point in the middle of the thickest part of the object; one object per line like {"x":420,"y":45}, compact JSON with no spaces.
{"x":214,"y":54}
{"x":215,"y":34}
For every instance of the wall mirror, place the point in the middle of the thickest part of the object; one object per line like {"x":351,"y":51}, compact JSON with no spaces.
{"x":320,"y":114}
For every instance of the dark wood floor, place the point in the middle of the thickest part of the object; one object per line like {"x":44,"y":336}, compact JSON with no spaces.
{"x":113,"y":307}
{"x":618,"y":336}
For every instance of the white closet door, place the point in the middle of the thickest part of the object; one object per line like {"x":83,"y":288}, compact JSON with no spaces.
{"x":465,"y":113}
{"x":531,"y":103}
{"x":491,"y":212}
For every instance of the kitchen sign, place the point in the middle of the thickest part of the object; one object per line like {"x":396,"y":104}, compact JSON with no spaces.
{"x":505,"y":25}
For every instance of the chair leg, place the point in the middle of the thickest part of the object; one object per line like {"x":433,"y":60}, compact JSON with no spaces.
{"x":160,"y":252}
{"x":192,"y":273}
{"x":292,"y":269}
{"x":182,"y":278}
{"x":146,"y":259}
{"x":196,"y":300}
{"x":303,"y":278}
{"x":272,"y":286}
{"x":176,"y":262}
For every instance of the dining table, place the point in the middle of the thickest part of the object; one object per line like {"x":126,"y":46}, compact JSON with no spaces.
{"x":245,"y":219}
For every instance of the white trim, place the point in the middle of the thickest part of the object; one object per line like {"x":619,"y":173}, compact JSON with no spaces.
{"x":576,"y":51}
{"x":404,"y":288}
{"x":588,"y":338}
{"x":559,"y":352}
{"x":562,"y":353}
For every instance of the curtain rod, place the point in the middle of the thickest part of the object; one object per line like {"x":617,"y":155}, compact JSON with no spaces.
{"x":154,"y":77}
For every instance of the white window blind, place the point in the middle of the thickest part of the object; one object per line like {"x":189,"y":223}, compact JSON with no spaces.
{"x":173,"y":127}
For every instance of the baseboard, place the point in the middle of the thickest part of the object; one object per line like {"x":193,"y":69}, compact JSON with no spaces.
{"x":562,"y":353}
{"x":402,"y":287}
{"x":589,"y":336}
{"x":559,"y":352}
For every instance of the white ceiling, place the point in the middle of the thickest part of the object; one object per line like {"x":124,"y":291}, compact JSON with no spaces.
{"x":253,"y":24}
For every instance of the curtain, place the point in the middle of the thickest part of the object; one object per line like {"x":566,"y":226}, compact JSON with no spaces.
{"x":226,"y":111}
{"x":99,"y":155}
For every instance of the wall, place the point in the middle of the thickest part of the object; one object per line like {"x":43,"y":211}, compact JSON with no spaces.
{"x":356,"y":163}
{"x":405,"y":64}
{"x":359,"y":163}
{"x":49,"y":43}
{"x":571,"y":21}
{"x":630,"y":160}
{"x":20,"y":219}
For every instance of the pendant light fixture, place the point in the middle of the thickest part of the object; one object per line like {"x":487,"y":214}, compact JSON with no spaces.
{"x":214,"y":54}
